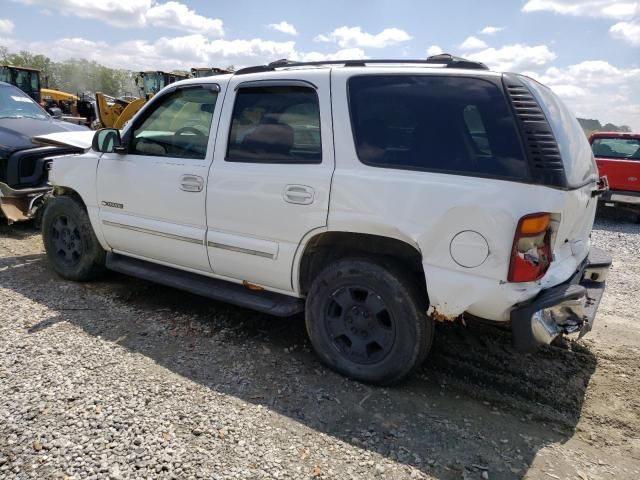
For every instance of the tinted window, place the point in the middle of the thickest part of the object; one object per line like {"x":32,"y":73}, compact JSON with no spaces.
{"x":275,"y":125}
{"x":623,"y":148}
{"x":447,"y":124}
{"x":178,"y":126}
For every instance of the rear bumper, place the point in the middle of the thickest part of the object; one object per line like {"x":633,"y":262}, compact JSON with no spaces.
{"x":569,"y":308}
{"x":620,"y":197}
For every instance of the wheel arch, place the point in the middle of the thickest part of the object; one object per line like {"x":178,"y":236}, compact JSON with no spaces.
{"x":323,"y":247}
{"x":60,"y":191}
{"x":92,"y":211}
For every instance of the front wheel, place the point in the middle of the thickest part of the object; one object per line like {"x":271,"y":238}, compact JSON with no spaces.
{"x":69,"y":240}
{"x":368,"y":321}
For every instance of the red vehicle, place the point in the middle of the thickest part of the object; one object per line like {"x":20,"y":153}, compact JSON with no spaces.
{"x":618,"y":157}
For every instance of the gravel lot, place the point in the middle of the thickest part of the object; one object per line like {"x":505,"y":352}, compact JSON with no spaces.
{"x":125,"y":379}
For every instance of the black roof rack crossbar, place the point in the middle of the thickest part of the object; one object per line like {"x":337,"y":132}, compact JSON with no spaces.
{"x":449,"y":61}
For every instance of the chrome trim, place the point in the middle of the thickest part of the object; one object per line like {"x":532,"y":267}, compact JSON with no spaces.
{"x":248,"y":251}
{"x":153,"y":232}
{"x":33,"y":201}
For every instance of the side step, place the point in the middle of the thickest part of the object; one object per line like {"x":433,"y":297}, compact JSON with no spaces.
{"x":262,"y":301}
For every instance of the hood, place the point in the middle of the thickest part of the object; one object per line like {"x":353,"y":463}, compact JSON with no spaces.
{"x":82,"y":139}
{"x":17,"y":133}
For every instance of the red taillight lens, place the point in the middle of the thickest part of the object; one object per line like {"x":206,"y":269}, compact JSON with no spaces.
{"x":531,"y":253}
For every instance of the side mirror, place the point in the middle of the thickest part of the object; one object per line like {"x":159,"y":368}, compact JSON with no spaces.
{"x":107,"y":140}
{"x":56,"y":113}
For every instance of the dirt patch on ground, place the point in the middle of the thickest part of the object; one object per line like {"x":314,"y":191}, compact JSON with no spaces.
{"x":126,"y":379}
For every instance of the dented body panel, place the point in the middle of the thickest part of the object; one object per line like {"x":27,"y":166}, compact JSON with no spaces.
{"x":462,"y":226}
{"x":24,"y":163}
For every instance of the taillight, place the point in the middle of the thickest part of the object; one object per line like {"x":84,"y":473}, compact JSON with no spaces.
{"x":531,"y":253}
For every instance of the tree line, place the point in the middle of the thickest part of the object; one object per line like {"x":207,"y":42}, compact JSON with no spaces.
{"x":75,"y":75}
{"x":590,"y":125}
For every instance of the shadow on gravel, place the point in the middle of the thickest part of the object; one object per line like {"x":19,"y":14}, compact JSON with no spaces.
{"x":475,"y":404}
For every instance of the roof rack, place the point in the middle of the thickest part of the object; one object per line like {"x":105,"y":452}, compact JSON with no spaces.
{"x":449,"y":61}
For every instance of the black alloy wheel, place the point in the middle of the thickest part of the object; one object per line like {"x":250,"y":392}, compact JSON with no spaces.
{"x":66,"y":240}
{"x":359,"y":324}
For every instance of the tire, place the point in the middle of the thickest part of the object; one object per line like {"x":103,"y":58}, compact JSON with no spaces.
{"x":368,"y":321}
{"x":69,"y":240}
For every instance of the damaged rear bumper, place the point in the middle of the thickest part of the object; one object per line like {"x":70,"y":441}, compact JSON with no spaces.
{"x":569,"y":308}
{"x":20,"y":205}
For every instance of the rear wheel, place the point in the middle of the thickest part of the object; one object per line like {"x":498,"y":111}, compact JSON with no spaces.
{"x":368,"y":321}
{"x":71,"y":245}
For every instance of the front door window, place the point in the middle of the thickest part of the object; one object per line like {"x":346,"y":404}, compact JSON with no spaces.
{"x":179,"y":125}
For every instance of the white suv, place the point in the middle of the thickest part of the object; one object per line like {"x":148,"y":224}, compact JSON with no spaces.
{"x":377,"y":196}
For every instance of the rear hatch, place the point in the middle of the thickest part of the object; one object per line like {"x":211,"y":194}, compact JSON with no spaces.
{"x":618,"y":157}
{"x":576,"y":207}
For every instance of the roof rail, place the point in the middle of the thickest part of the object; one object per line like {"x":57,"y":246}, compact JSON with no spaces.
{"x":449,"y":61}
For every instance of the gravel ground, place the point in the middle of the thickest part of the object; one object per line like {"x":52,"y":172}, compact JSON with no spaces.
{"x":125,"y":379}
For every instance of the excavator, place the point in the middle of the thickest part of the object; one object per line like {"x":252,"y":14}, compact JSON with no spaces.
{"x":116,"y":112}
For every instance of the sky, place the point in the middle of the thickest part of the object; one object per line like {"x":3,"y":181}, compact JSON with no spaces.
{"x":587,"y":51}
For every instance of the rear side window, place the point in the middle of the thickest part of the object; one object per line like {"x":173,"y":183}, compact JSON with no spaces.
{"x":275,"y":124}
{"x":444,"y":124}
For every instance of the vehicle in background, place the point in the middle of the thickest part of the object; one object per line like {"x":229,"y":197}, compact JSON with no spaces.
{"x":26,"y":79}
{"x":201,"y":72}
{"x":61,"y":105}
{"x":618,"y":158}
{"x":116,"y":112}
{"x":378,"y":196}
{"x":24,"y":164}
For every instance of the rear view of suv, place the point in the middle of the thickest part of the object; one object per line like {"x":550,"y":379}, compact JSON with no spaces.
{"x":378,"y":196}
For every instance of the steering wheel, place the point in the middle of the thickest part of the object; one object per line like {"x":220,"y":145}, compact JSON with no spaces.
{"x":189,"y":130}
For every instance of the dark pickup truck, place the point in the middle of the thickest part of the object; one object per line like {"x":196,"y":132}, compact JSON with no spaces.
{"x":24,"y":164}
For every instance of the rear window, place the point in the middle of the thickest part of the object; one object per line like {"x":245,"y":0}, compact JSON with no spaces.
{"x":622,"y":148}
{"x":434,"y":123}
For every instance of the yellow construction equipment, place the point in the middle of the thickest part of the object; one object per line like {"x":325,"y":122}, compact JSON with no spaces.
{"x":26,"y":79}
{"x":57,"y":95}
{"x":199,"y":72}
{"x":115,"y":113}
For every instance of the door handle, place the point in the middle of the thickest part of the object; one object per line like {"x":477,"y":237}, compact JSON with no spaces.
{"x":191,"y":183}
{"x":300,"y":194}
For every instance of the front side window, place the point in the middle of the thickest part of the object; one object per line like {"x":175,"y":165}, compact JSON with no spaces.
{"x":275,"y":124}
{"x":178,"y":126}
{"x":446,"y":124}
{"x":619,"y":148}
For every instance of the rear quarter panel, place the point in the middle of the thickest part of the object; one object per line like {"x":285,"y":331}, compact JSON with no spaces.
{"x":427,"y":210}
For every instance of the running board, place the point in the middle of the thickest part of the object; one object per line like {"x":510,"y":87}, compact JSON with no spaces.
{"x":261,"y":300}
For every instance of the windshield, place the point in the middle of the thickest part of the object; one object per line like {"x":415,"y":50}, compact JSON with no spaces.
{"x":622,"y":148}
{"x":153,"y":83}
{"x":16,"y":104}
